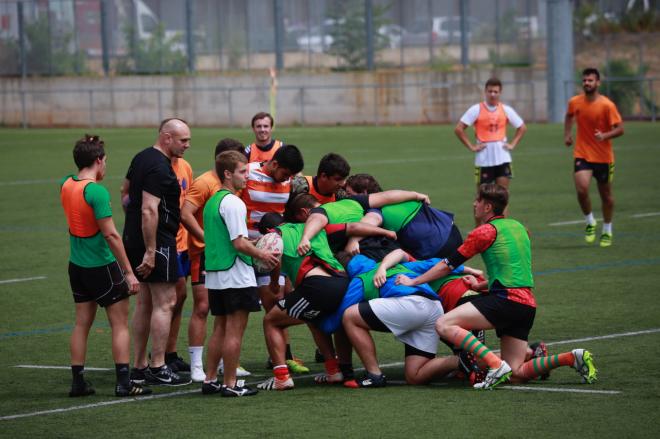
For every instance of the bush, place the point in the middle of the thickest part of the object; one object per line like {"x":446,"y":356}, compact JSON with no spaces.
{"x":156,"y":54}
{"x":50,"y":54}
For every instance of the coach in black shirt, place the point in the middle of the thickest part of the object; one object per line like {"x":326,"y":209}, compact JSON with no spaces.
{"x":152,"y":221}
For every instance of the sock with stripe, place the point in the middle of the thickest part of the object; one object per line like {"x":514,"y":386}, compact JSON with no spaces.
{"x":465,"y":340}
{"x":541,"y":365}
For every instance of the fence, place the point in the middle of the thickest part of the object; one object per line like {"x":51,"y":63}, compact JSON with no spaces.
{"x":81,"y":37}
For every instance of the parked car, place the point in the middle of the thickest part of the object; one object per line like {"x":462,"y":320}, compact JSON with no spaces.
{"x":319,"y":38}
{"x":440,"y":30}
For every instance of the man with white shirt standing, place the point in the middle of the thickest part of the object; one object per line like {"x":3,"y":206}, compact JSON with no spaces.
{"x":493,"y":150}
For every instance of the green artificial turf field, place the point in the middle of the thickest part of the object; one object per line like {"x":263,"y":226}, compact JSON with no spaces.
{"x":583,"y":291}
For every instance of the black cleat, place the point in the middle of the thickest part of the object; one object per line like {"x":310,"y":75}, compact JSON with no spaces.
{"x":178,"y":365}
{"x":240,"y":389}
{"x":211,"y":387}
{"x":84,"y":389}
{"x":165,"y":377}
{"x":133,"y":389}
{"x":138,"y":376}
{"x":371,"y":380}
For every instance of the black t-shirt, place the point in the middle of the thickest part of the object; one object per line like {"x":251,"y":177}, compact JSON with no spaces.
{"x":151,"y":171}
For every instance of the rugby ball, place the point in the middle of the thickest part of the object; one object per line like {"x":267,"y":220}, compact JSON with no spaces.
{"x":269,"y":242}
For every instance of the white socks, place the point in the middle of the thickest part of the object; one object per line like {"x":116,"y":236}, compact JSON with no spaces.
{"x":589,"y":219}
{"x":607,"y":228}
{"x":196,"y":353}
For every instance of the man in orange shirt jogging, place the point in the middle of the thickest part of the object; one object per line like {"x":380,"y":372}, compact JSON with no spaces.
{"x":598,"y":121}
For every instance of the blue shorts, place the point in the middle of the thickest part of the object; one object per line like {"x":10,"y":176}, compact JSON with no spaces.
{"x":183,"y":264}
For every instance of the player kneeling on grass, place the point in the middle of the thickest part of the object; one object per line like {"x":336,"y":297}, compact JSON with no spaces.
{"x":230,"y":277}
{"x":510,"y":306}
{"x":409,"y":313}
{"x":94,"y":272}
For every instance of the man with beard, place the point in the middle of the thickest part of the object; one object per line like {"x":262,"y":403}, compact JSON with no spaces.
{"x":597,"y":121}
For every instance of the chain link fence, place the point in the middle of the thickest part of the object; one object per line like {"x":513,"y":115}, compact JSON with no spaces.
{"x":79,"y":37}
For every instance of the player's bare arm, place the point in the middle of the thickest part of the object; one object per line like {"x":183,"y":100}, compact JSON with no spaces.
{"x":188,"y":220}
{"x":242,"y":245}
{"x":390,"y":260}
{"x":568,"y":129}
{"x":149,"y":226}
{"x":616,"y":131}
{"x":380,"y":199}
{"x":112,"y":237}
{"x":520,"y":132}
{"x":441,"y":269}
{"x":314,"y":224}
{"x":459,"y":130}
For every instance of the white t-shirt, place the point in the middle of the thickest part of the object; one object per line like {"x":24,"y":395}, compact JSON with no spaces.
{"x":240,"y":275}
{"x":494,"y":153}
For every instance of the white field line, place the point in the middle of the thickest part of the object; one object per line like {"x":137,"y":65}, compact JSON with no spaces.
{"x":36,"y":366}
{"x":636,"y":215}
{"x":188,"y":392}
{"x":532,"y":388}
{"x":561,"y":390}
{"x":25,"y":279}
{"x":644,"y":215}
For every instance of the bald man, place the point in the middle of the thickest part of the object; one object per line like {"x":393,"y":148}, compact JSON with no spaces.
{"x":152,"y":220}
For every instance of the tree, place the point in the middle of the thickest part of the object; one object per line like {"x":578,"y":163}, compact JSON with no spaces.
{"x":348,"y":31}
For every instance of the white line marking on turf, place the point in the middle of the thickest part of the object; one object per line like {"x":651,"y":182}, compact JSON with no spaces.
{"x":644,"y":215}
{"x":567,"y":223}
{"x":36,"y":366}
{"x":636,"y":215}
{"x":25,"y":279}
{"x":604,"y":337}
{"x":532,"y":388}
{"x":188,"y":392}
{"x":561,"y":390}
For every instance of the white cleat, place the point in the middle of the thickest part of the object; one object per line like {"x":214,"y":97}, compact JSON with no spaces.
{"x":495,"y":377}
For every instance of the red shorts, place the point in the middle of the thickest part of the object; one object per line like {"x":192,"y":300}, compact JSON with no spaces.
{"x":197,"y":268}
{"x":453,"y":291}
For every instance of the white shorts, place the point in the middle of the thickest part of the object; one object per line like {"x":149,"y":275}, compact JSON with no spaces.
{"x":264,"y":279}
{"x":411,"y":319}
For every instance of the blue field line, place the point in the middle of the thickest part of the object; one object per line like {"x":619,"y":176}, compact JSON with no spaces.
{"x":578,"y":268}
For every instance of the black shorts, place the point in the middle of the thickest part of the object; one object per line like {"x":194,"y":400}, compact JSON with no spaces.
{"x":105,"y":285}
{"x":230,"y":300}
{"x":197,"y":269}
{"x":315,"y":298}
{"x":488,"y":174}
{"x":166,"y":269}
{"x":602,"y":172}
{"x":508,"y":317}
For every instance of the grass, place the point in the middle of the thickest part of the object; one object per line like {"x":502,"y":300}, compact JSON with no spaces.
{"x":582,"y":291}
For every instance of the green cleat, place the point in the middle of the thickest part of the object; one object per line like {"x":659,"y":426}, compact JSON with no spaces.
{"x":590,"y":233}
{"x":584,"y":364}
{"x":606,"y":240}
{"x":297,"y":366}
